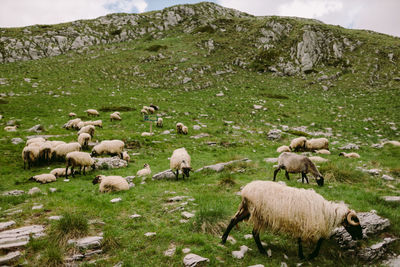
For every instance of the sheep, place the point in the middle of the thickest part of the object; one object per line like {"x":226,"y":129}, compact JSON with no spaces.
{"x":58,"y":172}
{"x":81,"y":159}
{"x":92,"y":112}
{"x":298,"y":144}
{"x":44,"y":178}
{"x":90,"y":129}
{"x":84,"y":139}
{"x":301,"y":213}
{"x":98,"y":123}
{"x":283,"y":149}
{"x":293,"y":163}
{"x":79,"y":125}
{"x":62,"y":150}
{"x":154,"y":106}
{"x":144,"y":111}
{"x":45,"y":151}
{"x":317,"y":144}
{"x":35,"y":140}
{"x":323,"y":151}
{"x":394,"y":143}
{"x":72,"y":124}
{"x":125,"y":156}
{"x":115,"y":116}
{"x":179,"y":127}
{"x":111,"y":183}
{"x":350,"y":155}
{"x":180,"y":160}
{"x":145,"y":171}
{"x":159,"y":122}
{"x":72,"y":114}
{"x":185,"y":130}
{"x":30,"y":155}
{"x":112,"y":147}
{"x":11,"y":128}
{"x":150,"y":110}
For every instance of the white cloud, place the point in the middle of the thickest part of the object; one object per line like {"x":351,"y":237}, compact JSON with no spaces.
{"x":309,"y":8}
{"x":18,"y":13}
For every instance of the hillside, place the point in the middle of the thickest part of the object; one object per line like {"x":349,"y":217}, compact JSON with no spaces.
{"x":234,"y":80}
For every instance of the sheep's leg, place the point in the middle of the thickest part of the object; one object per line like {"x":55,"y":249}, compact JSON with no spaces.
{"x":121,"y":155}
{"x":301,"y":255}
{"x":72,"y":172}
{"x":84,"y":167}
{"x":304,"y":176}
{"x":177,"y":174}
{"x":243,"y":214}
{"x":287,"y":175}
{"x":276,"y":172}
{"x":66,"y":173}
{"x":80,"y":169}
{"x":316,"y":250}
{"x":256,"y":236}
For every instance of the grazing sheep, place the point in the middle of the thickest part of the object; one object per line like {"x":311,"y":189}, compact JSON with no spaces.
{"x":59,"y":172}
{"x":30,"y":155}
{"x":92,"y":112}
{"x":125,"y":156}
{"x":159,"y":122}
{"x":72,"y":124}
{"x":293,"y":163}
{"x":84,"y":139}
{"x":72,"y":114}
{"x":150,"y":110}
{"x":180,"y":161}
{"x":298,"y":144}
{"x":98,"y":123}
{"x":90,"y":129}
{"x":145,"y":171}
{"x":317,"y":144}
{"x":144,"y":111}
{"x":35,"y":140}
{"x":11,"y":128}
{"x":111,"y":147}
{"x":154,"y":106}
{"x":323,"y":151}
{"x":350,"y":155}
{"x":44,"y":178}
{"x":283,"y":149}
{"x":185,"y":130}
{"x":62,"y":150}
{"x":179,"y":127}
{"x":111,"y":183}
{"x":45,"y":151}
{"x":80,"y":125}
{"x":115,"y":116}
{"x":81,"y":159}
{"x":301,"y":213}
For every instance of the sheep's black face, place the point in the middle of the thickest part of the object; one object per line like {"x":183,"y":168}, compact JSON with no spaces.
{"x":94,"y":153}
{"x":320,"y":180}
{"x":354,"y":228}
{"x":186,"y":171}
{"x":96,"y":180}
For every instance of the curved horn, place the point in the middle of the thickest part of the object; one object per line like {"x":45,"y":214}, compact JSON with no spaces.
{"x":350,"y":218}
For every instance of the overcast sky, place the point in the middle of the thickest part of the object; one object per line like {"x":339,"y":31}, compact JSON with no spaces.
{"x":377,"y":15}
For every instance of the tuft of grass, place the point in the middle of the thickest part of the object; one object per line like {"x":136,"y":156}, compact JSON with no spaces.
{"x":71,"y":225}
{"x":204,"y":29}
{"x":117,"y":108}
{"x":52,"y":256}
{"x":156,"y":48}
{"x":341,"y":172}
{"x":298,"y":133}
{"x":226,"y":181}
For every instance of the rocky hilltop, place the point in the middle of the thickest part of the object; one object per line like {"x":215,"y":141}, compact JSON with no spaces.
{"x":287,"y":46}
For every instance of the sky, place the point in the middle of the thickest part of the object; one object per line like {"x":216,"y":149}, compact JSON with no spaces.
{"x":377,"y":15}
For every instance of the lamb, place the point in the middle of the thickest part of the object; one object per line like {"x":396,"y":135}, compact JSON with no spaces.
{"x":112,"y":147}
{"x":58,"y":172}
{"x":125,"y":156}
{"x":72,"y":114}
{"x":298,"y":144}
{"x":84,"y":139}
{"x":159,"y":122}
{"x":115,"y":116}
{"x":317,"y":144}
{"x":301,"y":213}
{"x":30,"y":155}
{"x":145,"y":171}
{"x":283,"y":149}
{"x":90,"y":129}
{"x":81,"y":159}
{"x":62,"y":150}
{"x":185,"y":130}
{"x":98,"y":123}
{"x":35,"y":140}
{"x":293,"y":163}
{"x":92,"y":112}
{"x":44,"y":178}
{"x":111,"y":183}
{"x":179,"y":127}
{"x":180,"y":160}
{"x":350,"y":155}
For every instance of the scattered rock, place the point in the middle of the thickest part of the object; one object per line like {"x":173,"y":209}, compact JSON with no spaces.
{"x":34,"y":190}
{"x":376,"y":251}
{"x":9,"y":258}
{"x":52,"y":189}
{"x":5,"y":225}
{"x":167,"y":174}
{"x":239,"y":254}
{"x":110,"y":163}
{"x":248,"y":236}
{"x":176,"y":198}
{"x":10,"y":212}
{"x":392,"y":198}
{"x":257,"y":265}
{"x":170,"y":251}
{"x":231,"y":240}
{"x":374,"y":171}
{"x":186,"y":250}
{"x":274,"y":134}
{"x":191,"y":260}
{"x":257,"y":107}
{"x":86,"y":242}
{"x":220,"y":94}
{"x":350,"y":146}
{"x":20,"y":236}
{"x":196,"y":127}
{"x":115,"y":200}
{"x":148,"y":234}
{"x":37,"y":207}
{"x":387,"y":177}
{"x":393,"y":262}
{"x":271,"y":160}
{"x":220,"y":166}
{"x":37,"y":128}
{"x":17,"y":141}
{"x":201,"y":135}
{"x":166,"y":132}
{"x":13,"y":193}
{"x":96,"y":221}
{"x":55,"y":218}
{"x":187,"y":215}
{"x":134,"y":216}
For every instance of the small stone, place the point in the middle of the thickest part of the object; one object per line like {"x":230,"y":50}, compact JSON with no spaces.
{"x":148,"y":234}
{"x":186,"y":250}
{"x":257,"y":265}
{"x":196,"y":127}
{"x":269,"y":253}
{"x":12,"y":212}
{"x":38,"y":207}
{"x":34,"y":190}
{"x":66,"y":180}
{"x":374,"y":171}
{"x":257,"y":107}
{"x":350,"y":146}
{"x":176,"y":198}
{"x":248,"y":236}
{"x":191,"y":260}
{"x":87,"y":242}
{"x":274,"y":134}
{"x":187,"y":215}
{"x":96,"y":221}
{"x":231,"y":240}
{"x":17,"y":141}
{"x":170,"y":251}
{"x":166,"y":132}
{"x":115,"y":200}
{"x":55,"y":218}
{"x":271,"y":160}
{"x":9,"y":258}
{"x":5,"y":225}
{"x":37,"y":128}
{"x":387,"y":177}
{"x":52,"y":189}
{"x":13,"y":193}
{"x":220,"y":94}
{"x":240,"y":253}
{"x":392,"y":198}
{"x":183,"y":221}
{"x":134,"y":216}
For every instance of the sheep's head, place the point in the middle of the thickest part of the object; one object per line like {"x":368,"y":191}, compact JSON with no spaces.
{"x":320,"y":180}
{"x":146,"y":165}
{"x":341,"y":154}
{"x":352,"y":225}
{"x":94,"y":153}
{"x":32,"y":178}
{"x":97,"y":179}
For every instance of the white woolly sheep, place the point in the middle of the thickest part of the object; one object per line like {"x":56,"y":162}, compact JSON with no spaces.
{"x":45,"y":151}
{"x":90,"y":129}
{"x":179,"y":127}
{"x":144,"y":111}
{"x":150,"y":110}
{"x":44,"y":178}
{"x":301,"y":213}
{"x":323,"y":151}
{"x":185,"y":130}
{"x":293,"y":163}
{"x":59,"y":172}
{"x":350,"y":155}
{"x":84,"y":139}
{"x":92,"y":112}
{"x":81,"y":159}
{"x":283,"y":149}
{"x":72,"y":114}
{"x":394,"y":143}
{"x":62,"y":150}
{"x":159,"y":122}
{"x":35,"y":140}
{"x":111,"y":147}
{"x":72,"y":124}
{"x":180,"y":161}
{"x":98,"y":123}
{"x":115,"y":116}
{"x":30,"y":155}
{"x":79,"y":125}
{"x":298,"y":144}
{"x":111,"y":183}
{"x":145,"y":171}
{"x":125,"y":156}
{"x":317,"y":144}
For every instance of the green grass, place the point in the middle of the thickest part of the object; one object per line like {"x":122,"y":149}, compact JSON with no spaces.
{"x":125,"y":76}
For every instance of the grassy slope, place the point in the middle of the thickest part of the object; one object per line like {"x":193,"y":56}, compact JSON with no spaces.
{"x":92,"y":77}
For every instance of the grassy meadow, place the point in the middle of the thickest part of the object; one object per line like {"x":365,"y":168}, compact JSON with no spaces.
{"x":124,"y":77}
